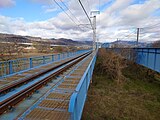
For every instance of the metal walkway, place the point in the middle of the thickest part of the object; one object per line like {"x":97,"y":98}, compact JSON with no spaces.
{"x":62,"y":98}
{"x":54,"y":105}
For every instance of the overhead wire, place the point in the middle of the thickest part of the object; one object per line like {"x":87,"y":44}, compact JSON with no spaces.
{"x":86,"y":14}
{"x":66,"y":13}
{"x":133,"y":33}
{"x":150,"y":27}
{"x":88,"y":5}
{"x":148,"y":32}
{"x":70,"y":11}
{"x":154,"y":29}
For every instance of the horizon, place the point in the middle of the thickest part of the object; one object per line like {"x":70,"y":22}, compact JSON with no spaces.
{"x":80,"y":40}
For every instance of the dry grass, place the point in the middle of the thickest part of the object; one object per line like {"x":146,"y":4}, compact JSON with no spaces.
{"x":111,"y":64}
{"x":136,"y":99}
{"x":25,"y":55}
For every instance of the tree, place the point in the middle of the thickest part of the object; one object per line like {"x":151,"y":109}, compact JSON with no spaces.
{"x":10,"y":49}
{"x":42,"y":47}
{"x":111,"y":64}
{"x":156,"y":44}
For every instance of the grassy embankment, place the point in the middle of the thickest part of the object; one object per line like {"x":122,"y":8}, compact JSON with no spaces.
{"x":136,"y":98}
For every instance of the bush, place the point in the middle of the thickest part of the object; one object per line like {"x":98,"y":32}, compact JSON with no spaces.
{"x":110,"y":64}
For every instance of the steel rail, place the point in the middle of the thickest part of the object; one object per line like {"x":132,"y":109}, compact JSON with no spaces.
{"x":16,"y":98}
{"x":30,"y":78}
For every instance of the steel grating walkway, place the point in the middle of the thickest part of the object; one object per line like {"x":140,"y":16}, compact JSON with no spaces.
{"x":54,"y":104}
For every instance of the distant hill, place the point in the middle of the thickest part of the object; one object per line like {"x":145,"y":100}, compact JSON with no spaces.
{"x":127,"y":44}
{"x":30,"y":39}
{"x":64,"y":41}
{"x":130,"y":43}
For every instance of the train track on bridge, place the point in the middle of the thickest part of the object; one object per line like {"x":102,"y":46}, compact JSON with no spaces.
{"x":18,"y":91}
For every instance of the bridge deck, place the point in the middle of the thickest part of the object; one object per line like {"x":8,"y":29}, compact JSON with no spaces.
{"x":55,"y":105}
{"x":7,"y":81}
{"x":53,"y":99}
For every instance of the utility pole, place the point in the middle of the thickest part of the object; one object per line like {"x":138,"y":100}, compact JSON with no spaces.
{"x":137,"y":36}
{"x":94,"y":33}
{"x":95,"y":46}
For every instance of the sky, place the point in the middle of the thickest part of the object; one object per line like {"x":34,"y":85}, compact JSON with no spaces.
{"x":118,"y":19}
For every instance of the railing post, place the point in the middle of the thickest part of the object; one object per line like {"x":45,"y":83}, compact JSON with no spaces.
{"x":63,"y":54}
{"x":52,"y":58}
{"x":30,"y":62}
{"x":147,"y":56}
{"x":10,"y":67}
{"x":67,"y":55}
{"x":58,"y":57}
{"x":155,"y":58}
{"x":44,"y":60}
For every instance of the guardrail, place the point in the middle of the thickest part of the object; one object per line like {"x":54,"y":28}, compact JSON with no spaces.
{"x":14,"y":66}
{"x":78,"y":98}
{"x":148,"y":57}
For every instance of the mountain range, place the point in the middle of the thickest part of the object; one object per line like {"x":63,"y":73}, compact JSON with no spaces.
{"x":131,"y":43}
{"x":53,"y":41}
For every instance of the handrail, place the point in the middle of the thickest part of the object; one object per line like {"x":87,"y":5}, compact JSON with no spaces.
{"x":148,"y":57}
{"x":11,"y":67}
{"x":78,"y":98}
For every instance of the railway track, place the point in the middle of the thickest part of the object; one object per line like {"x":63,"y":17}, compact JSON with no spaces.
{"x":33,"y":83}
{"x":55,"y":103}
{"x":43,"y":70}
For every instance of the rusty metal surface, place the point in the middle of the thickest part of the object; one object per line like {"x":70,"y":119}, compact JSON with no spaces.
{"x":40,"y":114}
{"x":54,"y":104}
{"x":64,"y":86}
{"x":65,"y":96}
{"x":49,"y":107}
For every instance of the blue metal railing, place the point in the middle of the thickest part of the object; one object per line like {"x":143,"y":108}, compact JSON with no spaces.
{"x":14,"y":66}
{"x":78,"y":98}
{"x":148,"y":57}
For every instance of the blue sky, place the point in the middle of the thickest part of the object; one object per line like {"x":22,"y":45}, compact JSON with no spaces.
{"x":34,"y":11}
{"x":118,"y":18}
{"x":28,"y":10}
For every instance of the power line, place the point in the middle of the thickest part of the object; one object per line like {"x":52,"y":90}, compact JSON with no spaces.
{"x":69,"y":10}
{"x":133,"y":33}
{"x":151,"y":30}
{"x":150,"y":27}
{"x":85,"y":25}
{"x":154,"y":29}
{"x":88,"y":5}
{"x":86,"y":13}
{"x":67,"y":14}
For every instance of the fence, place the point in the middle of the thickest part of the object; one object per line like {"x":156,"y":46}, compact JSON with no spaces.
{"x":148,"y":57}
{"x":13,"y":66}
{"x":78,"y":98}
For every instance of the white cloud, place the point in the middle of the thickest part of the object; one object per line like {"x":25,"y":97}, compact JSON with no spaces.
{"x":120,"y":17}
{"x":52,"y":28}
{"x":138,"y":12}
{"x":42,"y":1}
{"x":119,"y":20}
{"x":6,"y":3}
{"x":49,"y":10}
